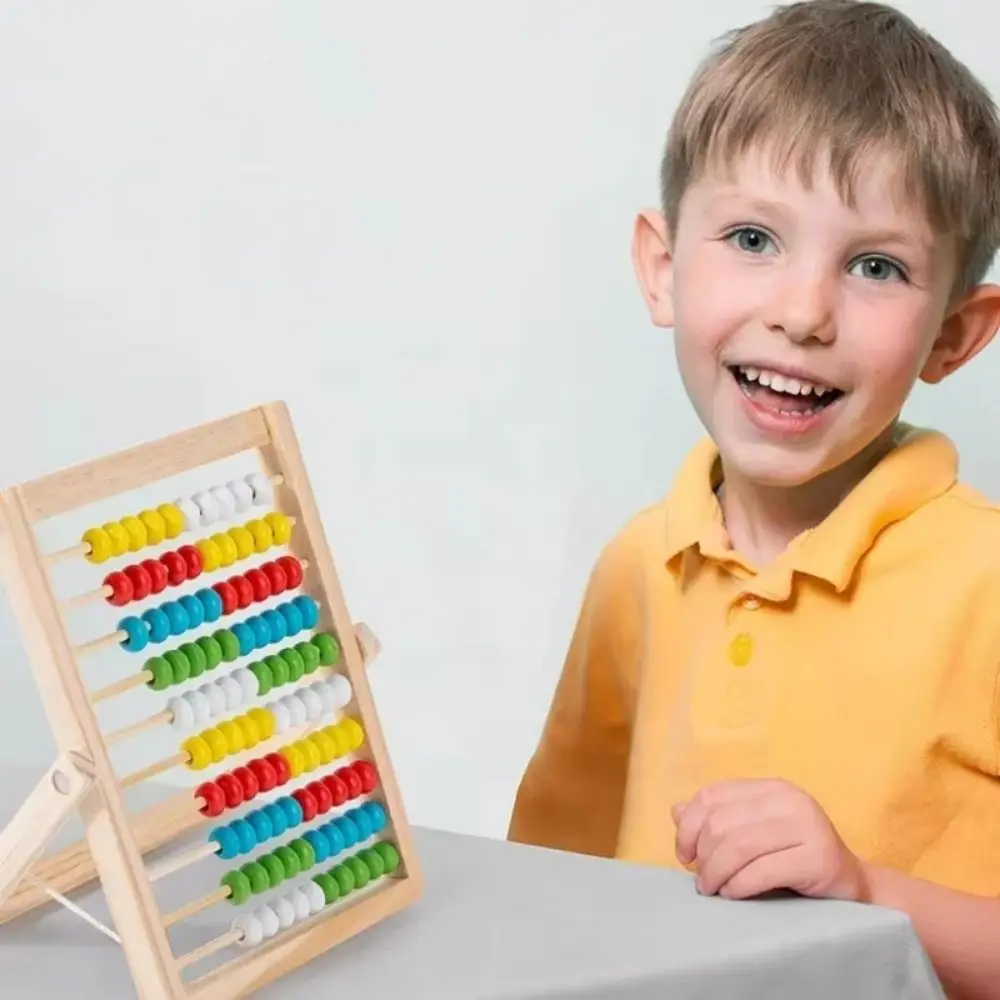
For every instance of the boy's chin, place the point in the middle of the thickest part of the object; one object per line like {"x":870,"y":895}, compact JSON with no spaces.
{"x":772,"y":467}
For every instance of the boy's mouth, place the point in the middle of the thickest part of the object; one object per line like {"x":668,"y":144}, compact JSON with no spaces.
{"x":783,"y":394}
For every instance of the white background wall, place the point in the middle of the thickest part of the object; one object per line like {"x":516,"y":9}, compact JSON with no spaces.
{"x":410,"y":221}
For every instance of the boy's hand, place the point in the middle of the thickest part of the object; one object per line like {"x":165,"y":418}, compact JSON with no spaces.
{"x":745,"y":838}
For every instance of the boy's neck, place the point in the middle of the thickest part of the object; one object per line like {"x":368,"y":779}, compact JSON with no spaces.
{"x":761,"y":521}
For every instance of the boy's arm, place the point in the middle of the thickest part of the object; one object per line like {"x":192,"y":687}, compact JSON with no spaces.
{"x":570,"y":797}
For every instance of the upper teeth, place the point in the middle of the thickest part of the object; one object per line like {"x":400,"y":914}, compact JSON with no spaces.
{"x":782,"y":383}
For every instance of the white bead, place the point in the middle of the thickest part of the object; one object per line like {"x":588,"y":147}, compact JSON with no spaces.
{"x":232,"y":692}
{"x":251,"y":929}
{"x":207,"y":507}
{"x":282,"y":717}
{"x":189,"y":511}
{"x":314,"y":894}
{"x":263,"y":491}
{"x":269,"y":919}
{"x":312,"y":702}
{"x":249,"y":685}
{"x":300,"y":901}
{"x":285,"y":911}
{"x":201,"y":707}
{"x":216,"y":699}
{"x":242,"y":494}
{"x":325,"y":694}
{"x":225,"y":502}
{"x":341,"y":688}
{"x":183,"y":714}
{"x":296,"y":708}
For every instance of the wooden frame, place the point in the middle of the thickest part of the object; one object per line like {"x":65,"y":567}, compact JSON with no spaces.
{"x":84,"y":779}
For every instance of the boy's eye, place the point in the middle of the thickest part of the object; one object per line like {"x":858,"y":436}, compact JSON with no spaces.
{"x":749,"y":239}
{"x":878,"y":269}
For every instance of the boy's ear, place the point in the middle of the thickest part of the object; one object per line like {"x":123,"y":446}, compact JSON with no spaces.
{"x":970,"y":327}
{"x":653,"y":263}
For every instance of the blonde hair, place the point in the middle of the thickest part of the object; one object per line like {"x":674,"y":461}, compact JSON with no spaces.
{"x":843,"y":78}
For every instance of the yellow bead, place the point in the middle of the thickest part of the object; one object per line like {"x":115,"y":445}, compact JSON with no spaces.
{"x":243,"y":540}
{"x":199,"y":753}
{"x":218,"y":744}
{"x":119,"y":538}
{"x":353,"y":732}
{"x":326,"y":746}
{"x":340,"y":740}
{"x":136,"y":532}
{"x":265,"y":722}
{"x":227,"y":548}
{"x":233,"y":735}
{"x":156,"y":527}
{"x":296,"y":762}
{"x":99,"y":544}
{"x":310,"y":754}
{"x":280,"y":527}
{"x":211,"y":557}
{"x":173,"y":519}
{"x":250,"y":730}
{"x":740,"y":650}
{"x":263,"y":536}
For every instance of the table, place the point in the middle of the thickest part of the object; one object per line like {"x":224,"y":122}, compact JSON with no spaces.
{"x":507,"y":922}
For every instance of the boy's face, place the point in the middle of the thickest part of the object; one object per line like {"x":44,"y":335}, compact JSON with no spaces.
{"x":801,"y":322}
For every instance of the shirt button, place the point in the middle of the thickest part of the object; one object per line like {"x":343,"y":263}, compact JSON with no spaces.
{"x":740,"y":650}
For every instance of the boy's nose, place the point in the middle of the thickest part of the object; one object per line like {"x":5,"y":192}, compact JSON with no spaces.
{"x":802,"y":309}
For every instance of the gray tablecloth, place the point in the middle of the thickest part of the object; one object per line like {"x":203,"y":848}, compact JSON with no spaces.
{"x":505,"y":922}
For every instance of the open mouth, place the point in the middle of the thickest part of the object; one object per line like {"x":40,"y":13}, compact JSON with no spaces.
{"x":782,"y":394}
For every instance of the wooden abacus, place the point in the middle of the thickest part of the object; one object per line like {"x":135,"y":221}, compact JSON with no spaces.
{"x":354,"y":864}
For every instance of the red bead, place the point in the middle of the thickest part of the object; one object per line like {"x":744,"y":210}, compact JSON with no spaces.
{"x":157,"y":574}
{"x":339,"y":791}
{"x":306,"y":799}
{"x":244,"y":592}
{"x":322,"y":795}
{"x":276,"y":577}
{"x":213,"y":801}
{"x":260,"y":583}
{"x":293,"y":570}
{"x":176,"y":568}
{"x":230,"y":602}
{"x":121,"y":589}
{"x":192,"y":557}
{"x":264,"y":773}
{"x":231,"y":788}
{"x":280,"y":766}
{"x":248,"y":782}
{"x":142,"y":584}
{"x":350,"y":778}
{"x":367,"y":773}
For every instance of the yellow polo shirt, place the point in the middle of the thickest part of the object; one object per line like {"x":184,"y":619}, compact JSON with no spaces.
{"x":862,"y":666}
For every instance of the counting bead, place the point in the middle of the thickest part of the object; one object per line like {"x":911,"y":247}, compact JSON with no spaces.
{"x":285,"y":911}
{"x":281,"y":768}
{"x":137,"y":634}
{"x":213,"y":802}
{"x":329,"y":649}
{"x":228,"y":643}
{"x":227,"y":548}
{"x":136,"y":532}
{"x":177,"y":617}
{"x":263,"y":771}
{"x":176,"y":568}
{"x":344,"y":877}
{"x":261,"y":633}
{"x":276,"y":576}
{"x":389,"y":855}
{"x":258,"y":877}
{"x":238,"y":885}
{"x":225,"y":502}
{"x":244,"y":592}
{"x":212,"y":650}
{"x":294,"y":664}
{"x":319,"y":844}
{"x":173,"y":519}
{"x":156,"y":527}
{"x":373,"y":862}
{"x":243,"y":540}
{"x":269,"y":921}
{"x":247,"y":683}
{"x":360,"y":870}
{"x":193,"y":609}
{"x":292,"y":616}
{"x":310,"y":656}
{"x":349,"y":829}
{"x":245,"y":832}
{"x":244,"y":637}
{"x":340,"y":688}
{"x":304,"y":853}
{"x":196,"y":658}
{"x":279,"y":821}
{"x":193,"y":562}
{"x":242,"y":495}
{"x":339,"y":792}
{"x":118,"y":536}
{"x":199,"y":753}
{"x":211,"y":554}
{"x":258,"y":580}
{"x":261,"y":487}
{"x":334,"y":837}
{"x":325,"y":692}
{"x":281,"y":528}
{"x":350,"y":778}
{"x":310,"y":753}
{"x":232,"y":734}
{"x":293,"y":570}
{"x":101,"y":548}
{"x":264,"y":720}
{"x":301,"y":903}
{"x":310,"y":616}
{"x":157,"y":575}
{"x":324,"y":800}
{"x":163,"y":675}
{"x":121,"y":588}
{"x":182,"y":712}
{"x":376,"y":816}
{"x":208,"y":509}
{"x":296,"y":709}
{"x":312,"y":702}
{"x":232,"y":692}
{"x":157,"y":624}
{"x":351,"y":728}
{"x":215,"y":698}
{"x":289,"y":860}
{"x":295,"y":760}
{"x":218,"y":744}
{"x":227,"y":595}
{"x":282,"y":717}
{"x":263,"y":536}
{"x":142,"y":584}
{"x":180,"y":665}
{"x":367,"y":774}
{"x":307,"y":801}
{"x":326,"y":747}
{"x":229,"y":843}
{"x":265,"y":679}
{"x":201,"y":708}
{"x":340,"y":741}
{"x":248,"y":727}
{"x":276,"y":625}
{"x":278,"y":666}
{"x":262,"y":827}
{"x":329,"y":887}
{"x":250,"y":930}
{"x":231,"y":789}
{"x":189,"y":513}
{"x":315,"y":895}
{"x":274,"y":868}
{"x":360,"y":819}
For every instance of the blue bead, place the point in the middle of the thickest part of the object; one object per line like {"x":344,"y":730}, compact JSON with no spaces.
{"x":158,"y":624}
{"x":275,"y":624}
{"x":360,"y":819}
{"x":376,"y":814}
{"x":245,"y":637}
{"x":349,"y":829}
{"x":177,"y":617}
{"x":211,"y":603}
{"x":292,"y":616}
{"x":195,"y":612}
{"x":229,"y":843}
{"x":292,"y":810}
{"x":261,"y":633}
{"x":137,"y":631}
{"x":245,"y":832}
{"x":333,"y":834}
{"x":309,"y":610}
{"x":263,"y":828}
{"x":279,"y":823}
{"x":320,"y":845}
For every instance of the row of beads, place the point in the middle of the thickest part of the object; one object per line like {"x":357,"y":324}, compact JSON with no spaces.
{"x":193,"y":610}
{"x":212,"y":701}
{"x":311,"y":897}
{"x":178,"y":566}
{"x":151,"y":527}
{"x":245,"y":835}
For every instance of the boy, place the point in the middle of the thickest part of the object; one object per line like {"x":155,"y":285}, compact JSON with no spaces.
{"x":787,"y":674}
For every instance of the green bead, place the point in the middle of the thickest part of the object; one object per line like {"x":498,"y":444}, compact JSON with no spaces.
{"x":310,"y":656}
{"x":196,"y":658}
{"x":329,"y":651}
{"x":228,"y":643}
{"x":296,"y":665}
{"x":345,"y":878}
{"x":212,"y":650}
{"x":373,"y":862}
{"x":359,"y":869}
{"x":257,"y":875}
{"x":289,"y":860}
{"x":274,"y":868}
{"x":305,"y":852}
{"x":180,"y":665}
{"x":279,"y":670}
{"x":329,"y":886}
{"x":265,"y":679}
{"x":163,"y":675}
{"x":389,"y":855}
{"x":238,"y":885}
